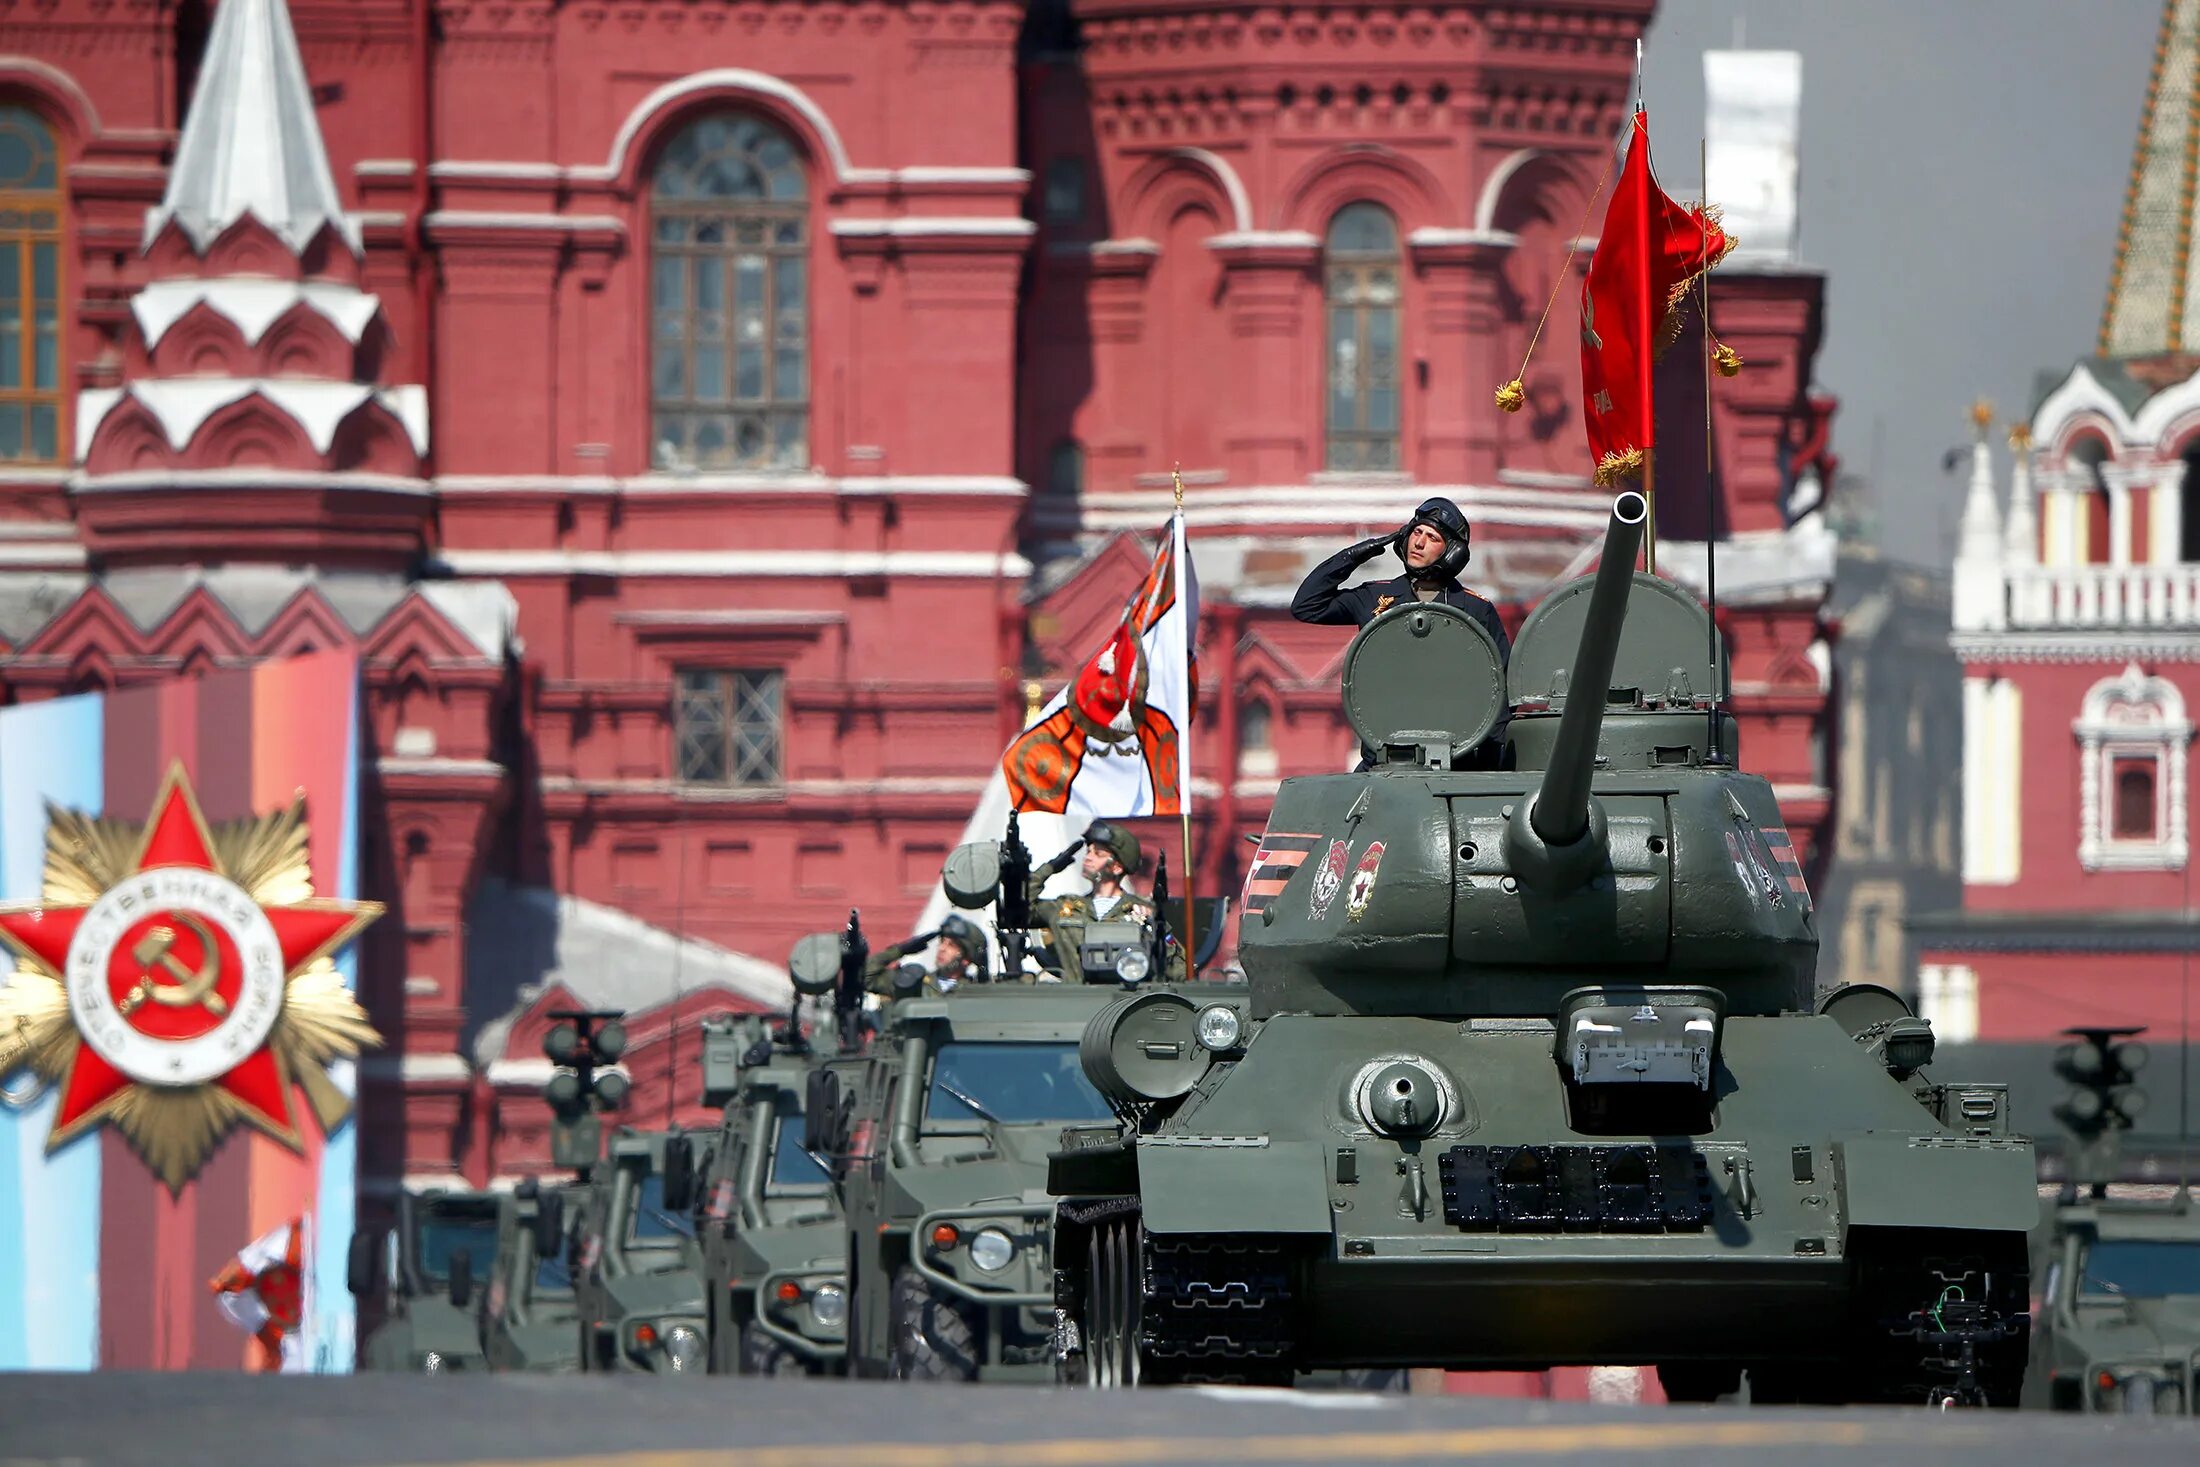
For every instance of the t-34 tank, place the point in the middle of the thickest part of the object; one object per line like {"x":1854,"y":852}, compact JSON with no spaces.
{"x":1530,"y":1073}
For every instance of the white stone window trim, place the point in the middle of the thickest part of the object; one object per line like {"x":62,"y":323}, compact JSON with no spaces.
{"x":2162,"y":734}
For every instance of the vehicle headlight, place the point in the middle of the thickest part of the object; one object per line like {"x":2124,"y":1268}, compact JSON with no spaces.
{"x":991,"y":1250}
{"x":1132,"y":965}
{"x":1217,"y":1027}
{"x":684,"y":1347}
{"x":433,"y":1363}
{"x":829,"y":1305}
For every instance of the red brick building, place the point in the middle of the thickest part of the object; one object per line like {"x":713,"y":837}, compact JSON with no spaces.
{"x":705,"y":418}
{"x":2077,"y":620}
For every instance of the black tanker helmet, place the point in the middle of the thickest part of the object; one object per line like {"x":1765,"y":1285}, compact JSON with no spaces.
{"x":1444,"y":517}
{"x":1117,"y":842}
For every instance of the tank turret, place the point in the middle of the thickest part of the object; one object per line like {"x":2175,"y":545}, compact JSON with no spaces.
{"x":1608,"y":847}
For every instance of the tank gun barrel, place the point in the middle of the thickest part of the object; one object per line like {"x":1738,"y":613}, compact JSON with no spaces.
{"x":1561,"y":810}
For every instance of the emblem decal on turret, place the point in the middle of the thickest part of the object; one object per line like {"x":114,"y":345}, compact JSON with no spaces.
{"x":1363,"y":881}
{"x":1783,"y":856}
{"x":1279,"y":858}
{"x":1329,"y":880}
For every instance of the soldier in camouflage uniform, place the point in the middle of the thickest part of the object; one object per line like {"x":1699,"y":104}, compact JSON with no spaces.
{"x":1111,"y":856}
{"x":959,"y":959}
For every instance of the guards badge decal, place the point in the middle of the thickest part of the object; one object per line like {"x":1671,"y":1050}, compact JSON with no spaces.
{"x":176,"y":979}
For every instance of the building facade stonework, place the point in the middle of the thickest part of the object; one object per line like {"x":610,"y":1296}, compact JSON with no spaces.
{"x":705,"y":420}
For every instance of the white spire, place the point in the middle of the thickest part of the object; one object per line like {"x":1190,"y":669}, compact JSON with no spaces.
{"x":251,"y":144}
{"x":1980,"y":594}
{"x":2021,"y":534}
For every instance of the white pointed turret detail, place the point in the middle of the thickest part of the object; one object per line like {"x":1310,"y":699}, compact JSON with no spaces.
{"x":251,"y":144}
{"x":1980,"y":599}
{"x":2021,"y":531}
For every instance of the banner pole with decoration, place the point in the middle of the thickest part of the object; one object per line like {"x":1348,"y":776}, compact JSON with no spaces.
{"x":1178,"y":551}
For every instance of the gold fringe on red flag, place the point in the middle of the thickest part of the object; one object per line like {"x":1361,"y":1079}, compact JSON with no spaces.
{"x":1669,"y":328}
{"x":1618,"y":466}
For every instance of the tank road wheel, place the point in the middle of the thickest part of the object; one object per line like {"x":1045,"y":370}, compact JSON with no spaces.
{"x":763,"y":1355}
{"x":929,"y":1337}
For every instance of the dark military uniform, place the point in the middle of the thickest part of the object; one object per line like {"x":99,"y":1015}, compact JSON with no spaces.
{"x":1325,"y":600}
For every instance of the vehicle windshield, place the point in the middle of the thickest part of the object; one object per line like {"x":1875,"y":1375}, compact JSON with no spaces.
{"x":2128,"y":1268}
{"x":436,"y":1236}
{"x":651,"y":1224}
{"x":791,"y":1165}
{"x":1015,"y":1083}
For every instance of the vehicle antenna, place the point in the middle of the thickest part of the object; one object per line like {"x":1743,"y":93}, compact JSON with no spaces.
{"x":1713,"y":755}
{"x":2184,"y":1049}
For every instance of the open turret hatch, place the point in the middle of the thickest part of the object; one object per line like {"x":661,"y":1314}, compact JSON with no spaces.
{"x":1664,"y":651}
{"x":1423,"y":684}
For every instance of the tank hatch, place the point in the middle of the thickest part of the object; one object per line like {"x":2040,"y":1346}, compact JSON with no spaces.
{"x":1413,"y":719}
{"x":1664,"y":652}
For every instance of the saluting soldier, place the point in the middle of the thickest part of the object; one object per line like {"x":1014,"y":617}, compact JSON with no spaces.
{"x":1434,"y":545}
{"x":1110,"y":856}
{"x":959,"y":958}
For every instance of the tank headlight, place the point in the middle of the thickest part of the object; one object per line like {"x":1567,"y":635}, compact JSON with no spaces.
{"x":1218,"y":1027}
{"x":432,"y":1363}
{"x":1132,"y":965}
{"x":991,"y":1249}
{"x":829,"y":1305}
{"x":684,"y":1348}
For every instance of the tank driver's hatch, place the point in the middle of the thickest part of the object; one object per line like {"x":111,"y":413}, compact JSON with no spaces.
{"x":1426,"y":678}
{"x":1663,"y":650}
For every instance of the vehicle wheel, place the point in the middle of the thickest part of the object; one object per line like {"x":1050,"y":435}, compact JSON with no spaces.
{"x":929,"y":1337}
{"x":763,"y":1355}
{"x":1698,"y":1382}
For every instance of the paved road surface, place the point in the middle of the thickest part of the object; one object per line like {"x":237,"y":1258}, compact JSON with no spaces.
{"x":368,"y":1421}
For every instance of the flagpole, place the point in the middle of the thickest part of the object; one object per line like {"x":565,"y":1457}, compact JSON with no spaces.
{"x":1177,"y":554}
{"x":1645,"y":335}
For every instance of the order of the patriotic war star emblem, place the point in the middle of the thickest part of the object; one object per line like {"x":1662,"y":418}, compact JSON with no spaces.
{"x":175,"y":978}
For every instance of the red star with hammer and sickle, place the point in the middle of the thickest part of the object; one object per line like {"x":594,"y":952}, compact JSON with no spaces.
{"x":177,"y":836}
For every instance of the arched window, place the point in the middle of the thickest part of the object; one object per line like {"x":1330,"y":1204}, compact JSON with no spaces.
{"x":30,"y":289}
{"x":1361,"y":272}
{"x":1256,"y":738}
{"x":2091,"y":486}
{"x":2132,"y":740}
{"x":730,"y":322}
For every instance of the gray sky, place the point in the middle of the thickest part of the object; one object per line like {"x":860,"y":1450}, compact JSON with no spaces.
{"x":1963,"y":169}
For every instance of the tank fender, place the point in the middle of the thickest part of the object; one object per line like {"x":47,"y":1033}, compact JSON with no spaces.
{"x":1232,"y":1184}
{"x":1970,"y":1182}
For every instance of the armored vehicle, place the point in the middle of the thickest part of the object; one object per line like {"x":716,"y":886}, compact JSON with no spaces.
{"x":2118,"y":1326}
{"x":529,"y":1318}
{"x":1530,"y":1073}
{"x":421,"y":1276}
{"x":941,"y":1147}
{"x":775,"y":1251}
{"x":638,"y":1273}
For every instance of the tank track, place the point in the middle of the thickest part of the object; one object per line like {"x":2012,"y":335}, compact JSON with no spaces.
{"x":1218,"y":1310}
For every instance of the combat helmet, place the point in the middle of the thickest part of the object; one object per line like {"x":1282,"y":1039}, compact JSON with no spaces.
{"x":1117,"y":842}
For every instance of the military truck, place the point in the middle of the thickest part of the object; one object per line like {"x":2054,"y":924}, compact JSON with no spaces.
{"x":638,"y":1269}
{"x":529,"y":1317}
{"x":1531,"y":1072}
{"x":2118,"y":1323}
{"x":421,"y":1277}
{"x":774,"y":1245}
